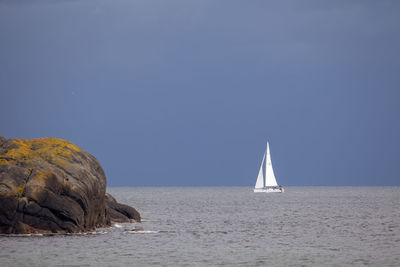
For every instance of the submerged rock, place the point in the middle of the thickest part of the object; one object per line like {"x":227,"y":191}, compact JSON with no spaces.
{"x":49,"y":185}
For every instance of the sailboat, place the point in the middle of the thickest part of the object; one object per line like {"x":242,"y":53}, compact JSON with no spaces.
{"x":266,"y":181}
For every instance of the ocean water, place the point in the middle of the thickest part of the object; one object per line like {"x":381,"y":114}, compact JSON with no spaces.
{"x":232,"y":226}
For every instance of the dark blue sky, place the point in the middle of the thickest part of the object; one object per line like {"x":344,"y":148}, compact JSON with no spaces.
{"x":188,"y":92}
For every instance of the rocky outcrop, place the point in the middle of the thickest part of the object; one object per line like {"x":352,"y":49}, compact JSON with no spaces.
{"x":50,"y":185}
{"x":121,"y":212}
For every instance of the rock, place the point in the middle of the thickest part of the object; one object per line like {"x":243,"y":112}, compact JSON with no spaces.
{"x":120,"y":212}
{"x":49,"y":185}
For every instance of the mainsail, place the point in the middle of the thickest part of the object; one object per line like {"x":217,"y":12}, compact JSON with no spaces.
{"x":269,"y":171}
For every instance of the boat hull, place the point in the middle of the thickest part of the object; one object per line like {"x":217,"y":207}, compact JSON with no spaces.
{"x":269,"y":190}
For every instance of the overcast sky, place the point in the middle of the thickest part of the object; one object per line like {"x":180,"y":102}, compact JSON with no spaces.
{"x":169,"y":93}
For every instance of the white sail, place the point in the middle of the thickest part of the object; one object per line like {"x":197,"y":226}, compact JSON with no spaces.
{"x":269,"y":171}
{"x":260,"y":178}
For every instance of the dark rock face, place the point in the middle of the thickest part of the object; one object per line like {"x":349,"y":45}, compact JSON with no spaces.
{"x":120,"y":212}
{"x":50,"y":185}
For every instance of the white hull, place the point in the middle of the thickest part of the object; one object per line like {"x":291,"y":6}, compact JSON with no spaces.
{"x":269,"y":190}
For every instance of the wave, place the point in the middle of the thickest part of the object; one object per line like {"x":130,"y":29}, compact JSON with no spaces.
{"x":141,"y":232}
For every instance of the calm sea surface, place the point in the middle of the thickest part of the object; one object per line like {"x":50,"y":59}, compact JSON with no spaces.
{"x":309,"y":226}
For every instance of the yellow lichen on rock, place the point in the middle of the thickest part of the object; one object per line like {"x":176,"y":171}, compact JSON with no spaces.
{"x":14,"y":190}
{"x":41,"y":176}
{"x":54,"y":150}
{"x":19,"y":190}
{"x":20,"y":152}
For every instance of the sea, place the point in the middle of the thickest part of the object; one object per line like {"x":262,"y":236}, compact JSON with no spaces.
{"x":231,"y":226}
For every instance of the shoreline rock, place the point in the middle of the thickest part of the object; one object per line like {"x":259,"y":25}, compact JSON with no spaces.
{"x":50,"y":185}
{"x":120,"y":212}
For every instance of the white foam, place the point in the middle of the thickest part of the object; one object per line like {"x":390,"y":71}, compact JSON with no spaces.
{"x":141,"y":232}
